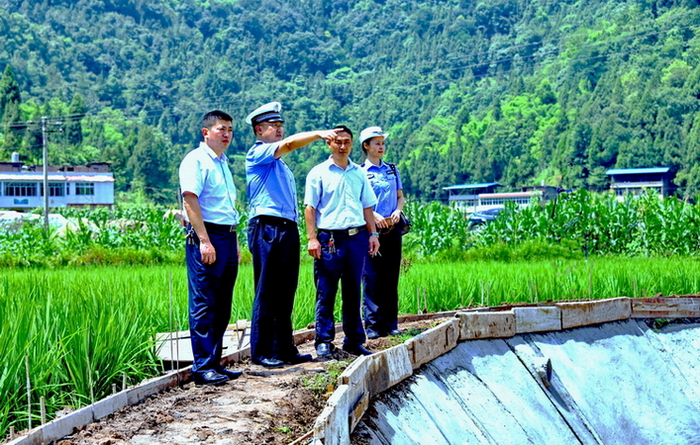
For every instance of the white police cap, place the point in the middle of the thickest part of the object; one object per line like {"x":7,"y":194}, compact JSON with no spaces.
{"x":371,"y":132}
{"x":267,"y":113}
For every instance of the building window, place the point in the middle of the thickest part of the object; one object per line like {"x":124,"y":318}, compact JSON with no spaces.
{"x":636,"y":191}
{"x":502,"y":201}
{"x":55,"y":189}
{"x":20,"y":189}
{"x":87,"y":188}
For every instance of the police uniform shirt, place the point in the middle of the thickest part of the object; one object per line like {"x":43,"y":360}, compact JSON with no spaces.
{"x":208,"y":176}
{"x":339,"y":196}
{"x":385,"y":184}
{"x":271,"y":187}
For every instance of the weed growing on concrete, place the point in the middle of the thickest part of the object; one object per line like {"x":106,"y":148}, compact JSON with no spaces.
{"x":405,"y":335}
{"x":323,"y":384}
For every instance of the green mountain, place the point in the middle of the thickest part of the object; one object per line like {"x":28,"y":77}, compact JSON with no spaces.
{"x":513,"y":91}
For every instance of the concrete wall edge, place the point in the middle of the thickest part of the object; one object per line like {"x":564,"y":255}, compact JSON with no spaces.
{"x":624,"y":302}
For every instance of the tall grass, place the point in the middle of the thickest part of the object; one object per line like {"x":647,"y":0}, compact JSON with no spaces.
{"x":450,"y":286}
{"x":82,"y":329}
{"x":78,"y":331}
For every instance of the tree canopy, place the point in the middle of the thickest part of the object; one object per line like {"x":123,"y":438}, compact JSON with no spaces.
{"x":514,"y":91}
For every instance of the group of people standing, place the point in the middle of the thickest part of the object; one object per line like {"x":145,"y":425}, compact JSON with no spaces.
{"x":352,"y":213}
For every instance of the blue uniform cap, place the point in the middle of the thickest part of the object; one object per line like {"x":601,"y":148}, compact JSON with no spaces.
{"x":269,"y":112}
{"x":371,"y":132}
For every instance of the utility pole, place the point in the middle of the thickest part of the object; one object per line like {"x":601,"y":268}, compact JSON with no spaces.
{"x":46,"y":172}
{"x":45,"y":147}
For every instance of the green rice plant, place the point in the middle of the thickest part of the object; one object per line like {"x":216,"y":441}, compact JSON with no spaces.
{"x":529,"y":250}
{"x":79,"y":331}
{"x":450,"y":286}
{"x":82,"y":328}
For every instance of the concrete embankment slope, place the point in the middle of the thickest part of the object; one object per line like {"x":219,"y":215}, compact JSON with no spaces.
{"x":616,"y":383}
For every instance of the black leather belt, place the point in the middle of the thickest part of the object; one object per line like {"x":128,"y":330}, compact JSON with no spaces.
{"x":349,"y":232}
{"x":221,"y":227}
{"x":274,"y":220}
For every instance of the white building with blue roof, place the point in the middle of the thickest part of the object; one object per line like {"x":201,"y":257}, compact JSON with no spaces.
{"x":636,"y":181}
{"x":464,"y":196}
{"x":22,"y":187}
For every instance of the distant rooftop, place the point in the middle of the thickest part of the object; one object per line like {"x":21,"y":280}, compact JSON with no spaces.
{"x":58,"y":176}
{"x":471,"y":186}
{"x":636,"y":171}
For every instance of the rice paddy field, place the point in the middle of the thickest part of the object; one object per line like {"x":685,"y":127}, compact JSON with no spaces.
{"x":73,"y":334}
{"x":79,"y":310}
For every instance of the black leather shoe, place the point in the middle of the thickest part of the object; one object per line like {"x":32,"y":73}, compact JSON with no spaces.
{"x":298,"y":358}
{"x":371,"y":335}
{"x":268,"y":362}
{"x":356,"y":350}
{"x":323,"y":349}
{"x":209,"y":377}
{"x":231,"y":375}
{"x":395,"y":332}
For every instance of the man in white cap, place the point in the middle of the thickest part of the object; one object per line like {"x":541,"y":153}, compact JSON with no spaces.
{"x":273,"y":235}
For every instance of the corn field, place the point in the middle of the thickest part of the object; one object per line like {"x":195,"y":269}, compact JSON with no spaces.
{"x":584,"y":222}
{"x":601,"y":225}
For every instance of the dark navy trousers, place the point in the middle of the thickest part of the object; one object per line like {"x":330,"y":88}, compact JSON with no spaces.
{"x":210,"y":295}
{"x":341,"y":261}
{"x":274,"y":244}
{"x":381,"y":285}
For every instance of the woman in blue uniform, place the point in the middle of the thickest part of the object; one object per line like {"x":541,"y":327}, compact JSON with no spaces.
{"x":380,"y":278}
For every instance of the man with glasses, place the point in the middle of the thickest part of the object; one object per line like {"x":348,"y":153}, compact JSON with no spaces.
{"x":341,"y":230}
{"x":273,"y":235}
{"x":211,"y":247}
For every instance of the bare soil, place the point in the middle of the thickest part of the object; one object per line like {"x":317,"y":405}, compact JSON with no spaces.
{"x":261,"y":407}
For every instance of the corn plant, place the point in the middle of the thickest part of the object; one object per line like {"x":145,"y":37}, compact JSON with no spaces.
{"x":599,"y":224}
{"x":435,"y":227}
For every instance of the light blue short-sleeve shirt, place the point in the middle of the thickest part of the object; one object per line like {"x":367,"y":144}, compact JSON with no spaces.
{"x":339,"y":196}
{"x":270,"y":183}
{"x":208,"y":176}
{"x":386,"y":183}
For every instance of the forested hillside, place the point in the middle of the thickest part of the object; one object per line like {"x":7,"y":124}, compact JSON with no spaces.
{"x":514,"y":91}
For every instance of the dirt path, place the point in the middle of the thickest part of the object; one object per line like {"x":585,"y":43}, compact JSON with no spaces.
{"x":262,"y":407}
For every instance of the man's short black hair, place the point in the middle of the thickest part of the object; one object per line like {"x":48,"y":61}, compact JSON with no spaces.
{"x":345,"y":129}
{"x":211,"y":118}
